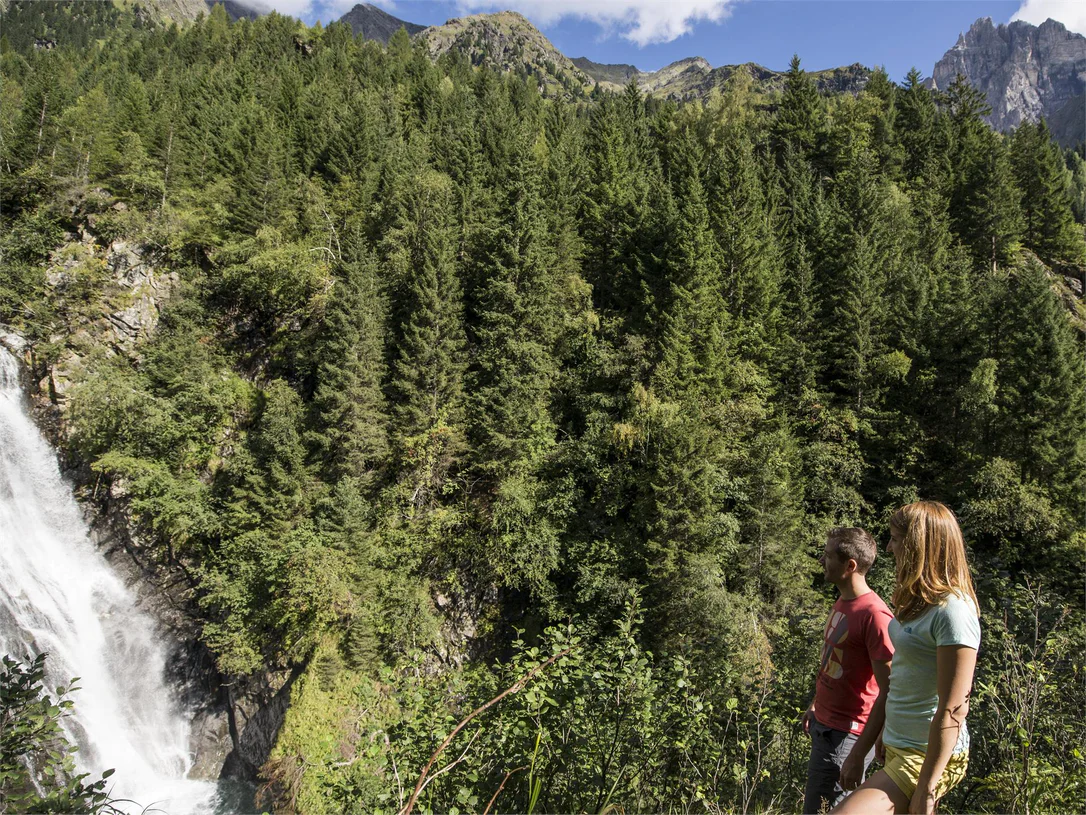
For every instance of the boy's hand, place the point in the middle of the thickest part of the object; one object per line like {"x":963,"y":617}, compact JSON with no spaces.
{"x":808,"y":717}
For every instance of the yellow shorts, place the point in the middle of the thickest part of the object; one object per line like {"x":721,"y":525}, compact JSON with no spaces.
{"x":903,"y":766}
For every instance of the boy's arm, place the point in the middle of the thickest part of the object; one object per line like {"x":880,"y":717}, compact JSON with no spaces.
{"x":852,"y":770}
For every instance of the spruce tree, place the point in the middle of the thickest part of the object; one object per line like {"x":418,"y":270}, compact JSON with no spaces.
{"x":748,"y":255}
{"x":915,"y":123}
{"x":350,"y":439}
{"x":427,"y":369}
{"x":1048,"y":223}
{"x":984,"y":206}
{"x":800,"y":119}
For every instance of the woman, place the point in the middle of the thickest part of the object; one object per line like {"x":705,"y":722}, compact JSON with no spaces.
{"x":936,"y":634}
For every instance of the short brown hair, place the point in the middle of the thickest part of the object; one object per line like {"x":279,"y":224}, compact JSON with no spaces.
{"x":856,"y":544}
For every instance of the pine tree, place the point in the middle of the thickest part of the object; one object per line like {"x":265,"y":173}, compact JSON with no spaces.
{"x":803,"y":215}
{"x":613,"y":201}
{"x":426,"y":378}
{"x":351,"y":421}
{"x":983,"y":203}
{"x":884,"y":128}
{"x":800,"y":119}
{"x":748,"y":255}
{"x":1039,"y":380}
{"x":857,"y":318}
{"x":254,"y":157}
{"x":515,"y":327}
{"x":915,"y":123}
{"x":692,"y":341}
{"x":1049,"y":227}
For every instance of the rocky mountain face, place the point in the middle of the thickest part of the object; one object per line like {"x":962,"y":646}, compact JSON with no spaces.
{"x":508,"y":42}
{"x":237,"y":11}
{"x":371,"y":23}
{"x":694,"y":77}
{"x":615,"y":74}
{"x":1026,"y":72}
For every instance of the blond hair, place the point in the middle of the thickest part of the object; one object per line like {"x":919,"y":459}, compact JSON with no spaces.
{"x":932,"y":562}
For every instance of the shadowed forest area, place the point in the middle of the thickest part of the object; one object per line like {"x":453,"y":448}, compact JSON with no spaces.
{"x":455,"y":377}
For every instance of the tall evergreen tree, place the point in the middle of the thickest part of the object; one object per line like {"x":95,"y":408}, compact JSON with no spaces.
{"x":800,"y":119}
{"x":748,"y":255}
{"x":426,"y":379}
{"x":983,"y":204}
{"x":1048,"y":223}
{"x":352,"y":422}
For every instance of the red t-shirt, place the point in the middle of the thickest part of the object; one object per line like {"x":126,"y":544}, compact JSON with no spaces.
{"x":856,"y":634}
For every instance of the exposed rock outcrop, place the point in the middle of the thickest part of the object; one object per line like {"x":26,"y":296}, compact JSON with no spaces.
{"x":248,"y":10}
{"x":133,"y":293}
{"x":1025,"y":71}
{"x":371,"y":23}
{"x":508,"y":42}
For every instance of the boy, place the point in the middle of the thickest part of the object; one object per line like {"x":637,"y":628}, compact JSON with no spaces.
{"x":844,"y":719}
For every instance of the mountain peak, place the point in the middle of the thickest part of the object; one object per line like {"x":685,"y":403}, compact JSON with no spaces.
{"x":1025,"y":71}
{"x":507,"y":41}
{"x":372,"y":23}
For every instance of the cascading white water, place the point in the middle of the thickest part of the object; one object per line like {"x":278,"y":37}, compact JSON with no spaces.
{"x":59,"y":596}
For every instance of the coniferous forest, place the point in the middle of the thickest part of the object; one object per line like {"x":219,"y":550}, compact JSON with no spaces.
{"x":455,"y":377}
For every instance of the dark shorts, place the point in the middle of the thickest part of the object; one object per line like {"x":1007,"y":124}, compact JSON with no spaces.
{"x":829,"y":749}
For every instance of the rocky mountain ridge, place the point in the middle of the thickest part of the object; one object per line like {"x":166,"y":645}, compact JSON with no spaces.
{"x":1025,"y":71}
{"x":509,"y":42}
{"x":371,"y":23}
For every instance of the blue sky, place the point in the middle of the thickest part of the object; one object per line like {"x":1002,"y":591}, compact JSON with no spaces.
{"x":897,"y":34}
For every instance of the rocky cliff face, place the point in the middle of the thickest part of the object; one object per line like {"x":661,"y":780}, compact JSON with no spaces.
{"x":1026,"y":72}
{"x":371,"y":23}
{"x":508,"y":42}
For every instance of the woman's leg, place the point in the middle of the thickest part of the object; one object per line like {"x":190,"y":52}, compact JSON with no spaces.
{"x":879,"y":793}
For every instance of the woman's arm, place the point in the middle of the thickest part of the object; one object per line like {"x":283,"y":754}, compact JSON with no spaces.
{"x":954,"y":680}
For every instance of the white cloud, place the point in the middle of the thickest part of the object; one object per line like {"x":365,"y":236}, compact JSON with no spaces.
{"x":640,"y":21}
{"x":1072,"y":13}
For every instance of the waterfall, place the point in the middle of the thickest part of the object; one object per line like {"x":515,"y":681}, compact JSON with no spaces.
{"x":59,"y":596}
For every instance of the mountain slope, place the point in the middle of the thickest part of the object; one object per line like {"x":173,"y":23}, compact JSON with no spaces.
{"x":371,"y":23}
{"x":508,"y":42}
{"x":1026,"y":72}
{"x":615,"y":74}
{"x":236,"y":10}
{"x":694,"y":77}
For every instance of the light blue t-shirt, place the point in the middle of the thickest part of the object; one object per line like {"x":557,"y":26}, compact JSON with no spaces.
{"x":914,"y":694}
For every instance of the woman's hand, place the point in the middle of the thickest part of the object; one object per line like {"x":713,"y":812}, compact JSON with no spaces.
{"x":852,"y":771}
{"x":880,"y":751}
{"x":923,"y":802}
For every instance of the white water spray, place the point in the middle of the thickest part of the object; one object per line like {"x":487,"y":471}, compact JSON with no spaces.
{"x":58,"y":596}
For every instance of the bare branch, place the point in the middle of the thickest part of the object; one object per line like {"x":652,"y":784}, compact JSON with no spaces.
{"x":516,"y":687}
{"x":501,"y":786}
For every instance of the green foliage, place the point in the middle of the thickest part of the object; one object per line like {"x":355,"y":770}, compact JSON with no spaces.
{"x":34,"y":754}
{"x":1029,"y":745}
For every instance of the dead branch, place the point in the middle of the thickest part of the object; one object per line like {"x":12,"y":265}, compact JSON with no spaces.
{"x":501,"y":786}
{"x":516,"y":687}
